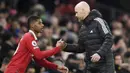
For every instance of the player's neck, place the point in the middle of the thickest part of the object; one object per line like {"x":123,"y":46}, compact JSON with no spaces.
{"x":34,"y":32}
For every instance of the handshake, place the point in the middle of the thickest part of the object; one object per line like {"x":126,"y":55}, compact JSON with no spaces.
{"x":61,"y":44}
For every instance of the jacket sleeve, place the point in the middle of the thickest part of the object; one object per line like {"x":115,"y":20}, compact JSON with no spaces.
{"x":105,"y":33}
{"x":33,"y":48}
{"x":45,"y":63}
{"x":75,"y":48}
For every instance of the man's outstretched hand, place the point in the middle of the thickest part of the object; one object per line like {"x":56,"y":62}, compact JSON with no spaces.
{"x":61,"y":44}
{"x":62,"y":69}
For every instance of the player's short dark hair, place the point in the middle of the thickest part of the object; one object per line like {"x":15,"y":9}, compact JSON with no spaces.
{"x":31,"y":19}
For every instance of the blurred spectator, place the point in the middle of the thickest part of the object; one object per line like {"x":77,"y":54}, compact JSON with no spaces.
{"x":24,"y":6}
{"x":119,"y":46}
{"x":81,"y":66}
{"x":73,"y":63}
{"x":59,"y":61}
{"x":127,"y":57}
{"x":49,"y":5}
{"x":3,"y":16}
{"x":65,"y":8}
{"x":1,"y":33}
{"x":43,"y":70}
{"x":8,"y":46}
{"x":120,"y":67}
{"x":117,"y":28}
{"x":15,"y":28}
{"x":31,"y":70}
{"x":76,"y":27}
{"x":4,"y":64}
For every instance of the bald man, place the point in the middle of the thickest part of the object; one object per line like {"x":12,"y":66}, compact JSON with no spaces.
{"x":95,"y":39}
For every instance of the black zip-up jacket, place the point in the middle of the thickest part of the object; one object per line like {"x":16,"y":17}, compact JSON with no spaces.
{"x":94,"y":37}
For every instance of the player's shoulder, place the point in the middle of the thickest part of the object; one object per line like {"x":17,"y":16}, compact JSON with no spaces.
{"x":27,"y":36}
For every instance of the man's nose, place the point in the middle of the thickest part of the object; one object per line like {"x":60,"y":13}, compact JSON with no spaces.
{"x":75,"y":15}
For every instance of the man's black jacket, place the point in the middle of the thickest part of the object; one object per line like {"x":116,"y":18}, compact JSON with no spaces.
{"x":94,"y":37}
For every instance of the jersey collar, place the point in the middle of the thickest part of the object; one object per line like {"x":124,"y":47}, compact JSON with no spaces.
{"x":33,"y":34}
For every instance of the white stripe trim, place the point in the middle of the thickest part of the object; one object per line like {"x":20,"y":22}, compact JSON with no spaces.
{"x":33,"y":34}
{"x":102,"y":24}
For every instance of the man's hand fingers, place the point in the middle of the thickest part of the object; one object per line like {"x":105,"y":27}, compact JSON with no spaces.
{"x":63,"y":69}
{"x":60,"y":40}
{"x":94,"y":59}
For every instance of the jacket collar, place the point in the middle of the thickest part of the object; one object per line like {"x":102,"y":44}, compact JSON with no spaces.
{"x":92,"y":15}
{"x":34,"y":35}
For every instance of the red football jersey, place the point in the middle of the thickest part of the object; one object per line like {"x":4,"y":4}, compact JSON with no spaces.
{"x":26,"y":50}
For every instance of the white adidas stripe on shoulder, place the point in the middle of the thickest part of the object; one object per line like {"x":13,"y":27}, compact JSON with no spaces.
{"x":102,"y":24}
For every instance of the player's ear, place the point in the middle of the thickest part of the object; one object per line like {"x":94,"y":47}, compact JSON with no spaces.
{"x":32,"y":25}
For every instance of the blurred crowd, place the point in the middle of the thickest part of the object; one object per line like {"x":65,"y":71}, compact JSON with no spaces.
{"x":59,"y":19}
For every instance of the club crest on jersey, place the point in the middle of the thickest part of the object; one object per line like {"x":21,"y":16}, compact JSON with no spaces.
{"x":34,"y":43}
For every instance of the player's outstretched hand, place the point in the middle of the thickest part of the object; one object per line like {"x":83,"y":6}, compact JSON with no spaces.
{"x":60,"y":44}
